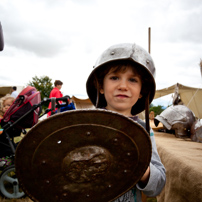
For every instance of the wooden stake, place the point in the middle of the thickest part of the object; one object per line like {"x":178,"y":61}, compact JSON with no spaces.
{"x":149,"y":35}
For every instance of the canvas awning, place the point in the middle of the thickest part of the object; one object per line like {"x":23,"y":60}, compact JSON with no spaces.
{"x":8,"y":90}
{"x":82,"y":103}
{"x":191,"y":97}
{"x":5,"y":90}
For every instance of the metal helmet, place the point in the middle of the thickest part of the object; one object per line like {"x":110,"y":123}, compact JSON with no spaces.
{"x":178,"y":118}
{"x":196,"y":131}
{"x":125,"y":51}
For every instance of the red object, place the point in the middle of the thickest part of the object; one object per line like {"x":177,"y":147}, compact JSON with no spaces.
{"x":54,"y":93}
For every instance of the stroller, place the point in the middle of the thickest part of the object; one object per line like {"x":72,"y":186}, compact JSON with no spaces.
{"x":22,"y":114}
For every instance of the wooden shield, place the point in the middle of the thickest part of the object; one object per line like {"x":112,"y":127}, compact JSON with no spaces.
{"x":82,"y":155}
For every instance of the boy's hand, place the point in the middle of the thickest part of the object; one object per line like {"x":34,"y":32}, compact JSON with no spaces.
{"x":145,"y":178}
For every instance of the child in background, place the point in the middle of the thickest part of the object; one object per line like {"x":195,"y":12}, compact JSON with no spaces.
{"x":70,"y":105}
{"x":6,"y":102}
{"x":1,"y":113}
{"x":123,"y":81}
{"x":55,"y":92}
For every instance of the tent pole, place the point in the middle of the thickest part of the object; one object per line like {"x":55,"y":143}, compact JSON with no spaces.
{"x":149,"y":40}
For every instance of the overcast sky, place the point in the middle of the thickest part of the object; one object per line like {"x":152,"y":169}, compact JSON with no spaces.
{"x":62,"y":39}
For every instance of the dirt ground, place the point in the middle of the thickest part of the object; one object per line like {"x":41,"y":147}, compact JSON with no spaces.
{"x":26,"y":199}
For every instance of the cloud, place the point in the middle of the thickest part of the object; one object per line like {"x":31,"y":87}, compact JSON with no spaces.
{"x":36,"y":28}
{"x":62,"y":39}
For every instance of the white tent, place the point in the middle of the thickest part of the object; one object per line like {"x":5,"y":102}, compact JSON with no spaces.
{"x":191,"y":97}
{"x":82,"y":103}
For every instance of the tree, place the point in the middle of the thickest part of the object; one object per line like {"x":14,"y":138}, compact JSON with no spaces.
{"x":44,"y":85}
{"x":151,"y":105}
{"x":156,"y":109}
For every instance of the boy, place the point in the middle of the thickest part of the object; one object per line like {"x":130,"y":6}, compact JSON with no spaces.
{"x":55,"y":92}
{"x":123,"y":81}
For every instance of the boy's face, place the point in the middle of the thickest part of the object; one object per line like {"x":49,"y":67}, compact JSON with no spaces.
{"x":121,"y":90}
{"x":7,"y":103}
{"x":59,"y":86}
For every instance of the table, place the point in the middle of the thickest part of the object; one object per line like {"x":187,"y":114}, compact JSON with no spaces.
{"x":182,"y":159}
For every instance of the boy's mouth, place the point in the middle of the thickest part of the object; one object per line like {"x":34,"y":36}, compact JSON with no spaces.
{"x":121,"y":96}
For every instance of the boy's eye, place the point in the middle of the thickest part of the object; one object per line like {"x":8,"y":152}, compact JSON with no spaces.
{"x":133,"y":79}
{"x":114,"y":78}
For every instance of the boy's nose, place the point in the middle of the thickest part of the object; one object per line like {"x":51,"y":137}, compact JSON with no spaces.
{"x":123,"y":85}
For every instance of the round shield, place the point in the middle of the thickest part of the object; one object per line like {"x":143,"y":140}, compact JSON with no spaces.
{"x":82,"y":155}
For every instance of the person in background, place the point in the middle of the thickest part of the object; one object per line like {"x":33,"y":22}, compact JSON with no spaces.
{"x":55,"y":93}
{"x":14,"y":92}
{"x":5,"y":151}
{"x":1,"y":112}
{"x":68,"y":107}
{"x":5,"y":103}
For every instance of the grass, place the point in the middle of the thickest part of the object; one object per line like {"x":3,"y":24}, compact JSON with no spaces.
{"x":151,"y":200}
